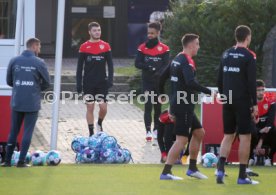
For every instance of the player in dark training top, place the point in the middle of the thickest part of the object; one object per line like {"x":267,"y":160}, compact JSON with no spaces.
{"x":237,"y":81}
{"x":152,"y":56}
{"x":184,"y":85}
{"x":91,"y":78}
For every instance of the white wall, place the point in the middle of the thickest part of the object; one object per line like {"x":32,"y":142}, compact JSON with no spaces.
{"x":7,"y":45}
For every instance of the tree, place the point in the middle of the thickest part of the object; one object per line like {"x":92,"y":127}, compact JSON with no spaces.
{"x":215,"y":21}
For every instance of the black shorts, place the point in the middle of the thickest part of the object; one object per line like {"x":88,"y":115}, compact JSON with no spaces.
{"x":185,"y":123}
{"x":237,"y":118}
{"x":95,"y":94}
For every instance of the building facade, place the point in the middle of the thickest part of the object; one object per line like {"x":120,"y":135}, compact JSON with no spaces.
{"x":123,"y":23}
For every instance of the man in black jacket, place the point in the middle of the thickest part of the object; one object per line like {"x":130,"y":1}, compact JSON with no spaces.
{"x":28,"y":76}
{"x":152,"y":56}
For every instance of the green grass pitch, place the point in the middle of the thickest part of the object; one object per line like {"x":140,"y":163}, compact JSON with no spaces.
{"x":126,"y":180}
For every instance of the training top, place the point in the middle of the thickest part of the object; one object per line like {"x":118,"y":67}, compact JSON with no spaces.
{"x":27,"y":74}
{"x":266,"y":111}
{"x":237,"y":73}
{"x":184,"y":83}
{"x":150,"y":61}
{"x":94,"y":56}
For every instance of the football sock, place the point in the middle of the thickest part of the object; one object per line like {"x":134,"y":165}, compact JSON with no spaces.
{"x":221,"y":163}
{"x":192,"y":165}
{"x":242,"y":173}
{"x":186,"y":153}
{"x":91,"y":129}
{"x":167,"y":169}
{"x":100,"y":121}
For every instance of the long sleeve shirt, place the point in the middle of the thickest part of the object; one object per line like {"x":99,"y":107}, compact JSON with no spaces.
{"x":91,"y":68}
{"x":237,"y":74}
{"x":150,"y":61}
{"x":184,"y":83}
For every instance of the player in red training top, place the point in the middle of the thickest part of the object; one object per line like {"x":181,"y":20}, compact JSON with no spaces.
{"x":152,"y":57}
{"x":91,"y":78}
{"x":263,"y":143}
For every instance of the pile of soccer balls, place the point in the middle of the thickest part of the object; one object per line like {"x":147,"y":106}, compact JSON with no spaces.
{"x":209,"y":160}
{"x":99,"y":148}
{"x":38,"y":158}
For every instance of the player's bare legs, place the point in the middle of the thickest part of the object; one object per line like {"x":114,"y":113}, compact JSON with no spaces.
{"x":195,"y":142}
{"x":194,"y":147}
{"x":102,"y":114}
{"x":90,"y":117}
{"x":176,"y":148}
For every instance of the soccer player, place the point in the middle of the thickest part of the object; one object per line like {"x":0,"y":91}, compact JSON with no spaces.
{"x":166,"y":136}
{"x":184,"y":84}
{"x":152,"y":56}
{"x":237,"y":75}
{"x":92,"y":79}
{"x":28,"y":76}
{"x":265,"y":135}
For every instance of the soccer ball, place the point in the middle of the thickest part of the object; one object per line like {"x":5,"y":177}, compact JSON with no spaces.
{"x":100,"y":135}
{"x":108,"y":156}
{"x":94,"y":143}
{"x":38,"y":158}
{"x":127,"y":155}
{"x":109,"y":143}
{"x":79,"y":143}
{"x":89,"y":156}
{"x":119,"y":156}
{"x":79,"y":159}
{"x":28,"y":158}
{"x":53,"y":158}
{"x":15,"y":158}
{"x":209,"y":160}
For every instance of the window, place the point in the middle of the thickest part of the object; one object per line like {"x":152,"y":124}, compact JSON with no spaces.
{"x":7,"y":19}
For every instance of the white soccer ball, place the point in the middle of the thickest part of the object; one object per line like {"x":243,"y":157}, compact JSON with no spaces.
{"x":38,"y":158}
{"x":15,"y":158}
{"x":53,"y":158}
{"x":109,"y":142}
{"x":119,"y":156}
{"x":209,"y":160}
{"x":108,"y":156}
{"x":89,"y":155}
{"x":79,"y":143}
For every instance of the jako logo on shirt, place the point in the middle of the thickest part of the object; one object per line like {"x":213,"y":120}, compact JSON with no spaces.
{"x":231,"y":69}
{"x":27,"y":83}
{"x":174,"y":79}
{"x":17,"y":83}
